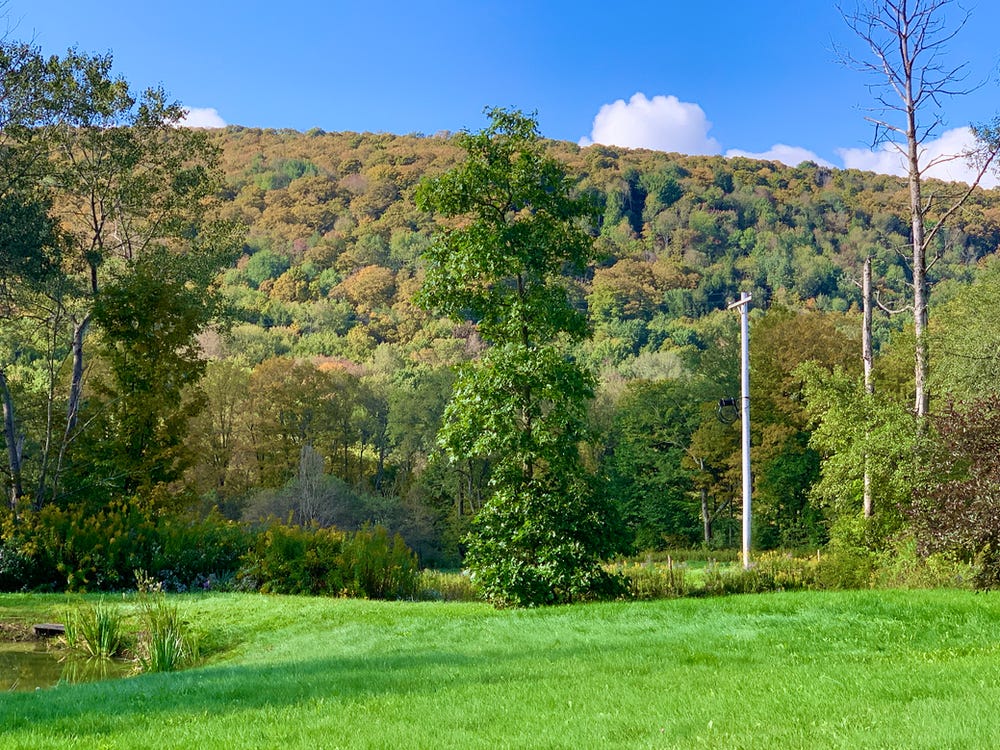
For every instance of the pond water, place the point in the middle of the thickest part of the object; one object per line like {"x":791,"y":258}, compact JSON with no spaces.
{"x":31,"y":666}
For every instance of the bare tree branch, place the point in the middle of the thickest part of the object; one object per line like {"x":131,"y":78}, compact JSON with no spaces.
{"x":908,"y":41}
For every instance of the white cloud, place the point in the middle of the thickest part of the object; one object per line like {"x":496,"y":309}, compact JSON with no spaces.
{"x":889,"y":160}
{"x":790,"y":155}
{"x":663,"y":123}
{"x":201,"y":117}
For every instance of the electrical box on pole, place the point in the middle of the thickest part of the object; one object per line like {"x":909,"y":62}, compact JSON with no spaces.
{"x":744,"y":306}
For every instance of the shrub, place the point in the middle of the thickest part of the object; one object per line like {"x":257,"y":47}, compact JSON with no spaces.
{"x":290,"y":559}
{"x":198,"y":554}
{"x":18,"y":571}
{"x":903,"y":567}
{"x":75,"y":549}
{"x":438,"y":585}
{"x":780,"y":571}
{"x":378,"y":567}
{"x":84,"y":550}
{"x":957,"y":510}
{"x":843,"y":569}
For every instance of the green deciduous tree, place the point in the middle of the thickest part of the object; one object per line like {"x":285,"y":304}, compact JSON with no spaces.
{"x":30,"y":280}
{"x":116,"y":201}
{"x":857,"y":432}
{"x":218,"y":436}
{"x":541,"y":535}
{"x":134,"y":195}
{"x":290,"y":404}
{"x":966,"y":339}
{"x":652,"y":469}
{"x":785,"y":464}
{"x":139,"y":412}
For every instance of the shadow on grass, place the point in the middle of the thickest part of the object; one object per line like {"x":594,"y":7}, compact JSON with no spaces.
{"x":811,"y":635}
{"x":216,"y":690}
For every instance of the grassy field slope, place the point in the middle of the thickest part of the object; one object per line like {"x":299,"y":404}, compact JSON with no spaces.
{"x":795,"y":670}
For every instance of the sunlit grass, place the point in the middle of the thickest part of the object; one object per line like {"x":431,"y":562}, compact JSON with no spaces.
{"x":790,"y":670}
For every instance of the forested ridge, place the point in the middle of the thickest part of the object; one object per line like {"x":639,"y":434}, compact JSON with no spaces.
{"x":316,"y":390}
{"x":321,"y":300}
{"x":331,"y":217}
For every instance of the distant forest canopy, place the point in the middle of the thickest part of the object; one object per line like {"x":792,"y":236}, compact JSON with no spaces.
{"x":327,"y":376}
{"x":323,"y":384}
{"x":332,"y":256}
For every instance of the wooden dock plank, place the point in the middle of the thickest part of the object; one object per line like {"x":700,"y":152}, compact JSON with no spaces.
{"x":49,"y":629}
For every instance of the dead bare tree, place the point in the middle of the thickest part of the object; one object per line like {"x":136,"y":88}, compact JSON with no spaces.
{"x":908,"y":41}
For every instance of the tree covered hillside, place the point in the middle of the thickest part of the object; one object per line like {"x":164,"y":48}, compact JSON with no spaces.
{"x":331,"y":218}
{"x":322,"y":312}
{"x":297,"y":378}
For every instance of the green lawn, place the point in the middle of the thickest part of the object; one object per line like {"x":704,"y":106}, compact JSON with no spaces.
{"x":888,"y":669}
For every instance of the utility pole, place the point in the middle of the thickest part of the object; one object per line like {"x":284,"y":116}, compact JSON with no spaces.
{"x":868,"y":357}
{"x":744,"y":305}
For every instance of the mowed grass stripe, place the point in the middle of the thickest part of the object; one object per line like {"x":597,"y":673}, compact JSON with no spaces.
{"x":849,"y":669}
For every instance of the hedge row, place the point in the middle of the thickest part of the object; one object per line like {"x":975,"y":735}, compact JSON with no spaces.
{"x":59,"y":549}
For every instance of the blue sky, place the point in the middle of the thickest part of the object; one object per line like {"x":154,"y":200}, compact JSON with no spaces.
{"x":733,"y":76}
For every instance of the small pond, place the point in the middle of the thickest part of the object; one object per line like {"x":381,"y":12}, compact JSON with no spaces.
{"x":30,"y":665}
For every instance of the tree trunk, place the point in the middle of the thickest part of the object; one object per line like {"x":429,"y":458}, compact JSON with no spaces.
{"x":72,"y":409}
{"x":76,"y":382}
{"x":867,"y":354}
{"x":706,"y":517}
{"x":868,"y":358}
{"x":15,"y":445}
{"x":921,"y":396}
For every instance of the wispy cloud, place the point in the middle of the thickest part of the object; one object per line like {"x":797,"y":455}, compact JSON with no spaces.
{"x":201,"y":117}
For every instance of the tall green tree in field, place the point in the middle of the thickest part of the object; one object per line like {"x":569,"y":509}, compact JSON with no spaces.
{"x":516,"y":229}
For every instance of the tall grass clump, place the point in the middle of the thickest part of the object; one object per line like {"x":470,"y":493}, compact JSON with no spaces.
{"x":654,"y":580}
{"x":695,"y":555}
{"x":438,"y":585}
{"x":96,"y":630}
{"x":663,"y":577}
{"x":165,"y":643}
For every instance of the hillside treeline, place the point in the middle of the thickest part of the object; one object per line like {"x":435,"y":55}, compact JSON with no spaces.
{"x":297,"y":379}
{"x":325,"y":351}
